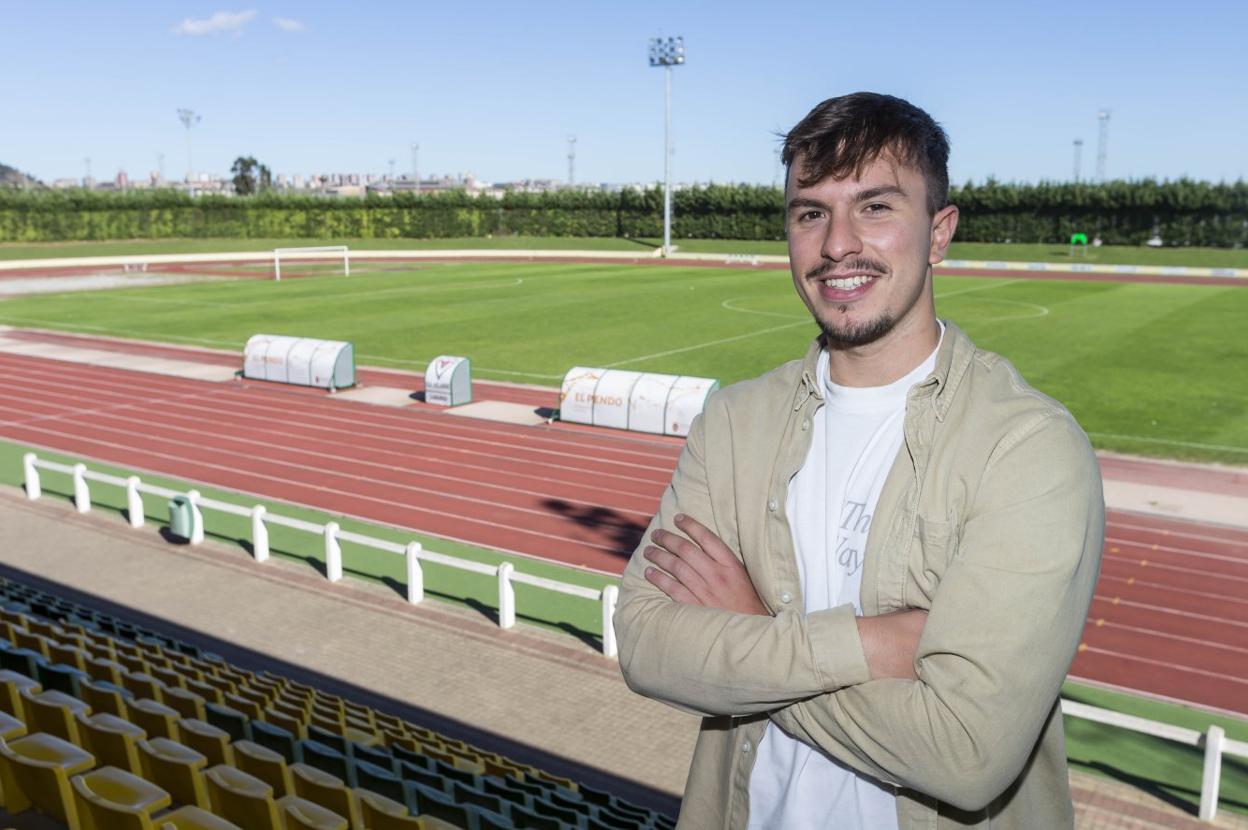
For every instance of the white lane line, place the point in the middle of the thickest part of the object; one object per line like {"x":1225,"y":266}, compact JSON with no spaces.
{"x":1156,"y":547}
{"x":1134,"y":582}
{"x":1162,"y":664}
{"x":1152,"y":632}
{"x":1191,"y":615}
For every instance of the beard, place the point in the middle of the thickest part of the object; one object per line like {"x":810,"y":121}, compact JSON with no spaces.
{"x":848,"y":336}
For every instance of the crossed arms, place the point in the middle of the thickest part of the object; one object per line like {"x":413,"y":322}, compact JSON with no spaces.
{"x":988,"y":660}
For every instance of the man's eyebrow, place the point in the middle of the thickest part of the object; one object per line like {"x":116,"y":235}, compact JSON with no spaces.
{"x":876,"y":192}
{"x":805,"y":202}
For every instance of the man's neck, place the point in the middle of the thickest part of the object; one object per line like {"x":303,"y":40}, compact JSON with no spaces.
{"x":888,"y":359}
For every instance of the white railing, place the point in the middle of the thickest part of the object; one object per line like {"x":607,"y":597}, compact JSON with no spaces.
{"x":1215,"y":742}
{"x":333,"y":536}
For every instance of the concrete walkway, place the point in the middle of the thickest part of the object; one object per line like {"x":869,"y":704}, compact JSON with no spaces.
{"x":542,"y":698}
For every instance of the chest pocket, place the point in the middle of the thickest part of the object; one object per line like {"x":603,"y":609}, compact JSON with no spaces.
{"x":931,"y":550}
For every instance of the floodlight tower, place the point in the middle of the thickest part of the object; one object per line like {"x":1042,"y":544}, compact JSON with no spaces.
{"x":1078,"y":158}
{"x":391,"y":169}
{"x":86,"y":179}
{"x":571,"y":160}
{"x":416,"y":166}
{"x":1102,"y":145}
{"x":667,"y":52}
{"x":189,"y":118}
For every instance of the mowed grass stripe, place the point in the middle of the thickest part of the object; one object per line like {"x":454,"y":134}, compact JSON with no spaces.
{"x":1145,"y":367}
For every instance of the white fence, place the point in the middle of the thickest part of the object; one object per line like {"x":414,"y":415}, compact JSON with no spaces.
{"x":1214,"y":741}
{"x":333,"y":536}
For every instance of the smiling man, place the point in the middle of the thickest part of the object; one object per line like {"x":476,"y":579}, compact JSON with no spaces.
{"x":873,"y":564}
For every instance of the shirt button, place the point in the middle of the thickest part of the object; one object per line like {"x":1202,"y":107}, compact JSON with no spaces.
{"x":786,"y":597}
{"x":805,"y":424}
{"x":745,"y":746}
{"x":773,"y":505}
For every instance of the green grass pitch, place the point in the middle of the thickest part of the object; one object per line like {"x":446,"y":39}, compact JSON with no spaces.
{"x":1147,"y":368}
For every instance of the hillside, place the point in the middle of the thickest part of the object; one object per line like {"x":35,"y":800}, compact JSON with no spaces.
{"x":12,"y":177}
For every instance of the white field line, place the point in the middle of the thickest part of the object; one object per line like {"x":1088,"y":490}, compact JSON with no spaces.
{"x":1164,"y":665}
{"x":352,"y":429}
{"x":1173,"y":443}
{"x":1191,"y":615}
{"x":1152,"y":632}
{"x":331,"y":491}
{"x":333,"y":411}
{"x":706,"y":345}
{"x":297,"y":465}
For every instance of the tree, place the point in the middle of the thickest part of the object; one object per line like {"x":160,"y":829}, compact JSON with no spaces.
{"x":250,"y":176}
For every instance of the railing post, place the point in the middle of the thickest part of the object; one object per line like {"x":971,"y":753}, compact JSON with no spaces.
{"x":609,"y":596}
{"x":197,"y":518}
{"x":259,"y":534}
{"x":506,"y":596}
{"x":134,"y":502}
{"x":415,"y":574}
{"x":1212,"y":777}
{"x":31,"y":474}
{"x":333,"y":553}
{"x":82,"y":495}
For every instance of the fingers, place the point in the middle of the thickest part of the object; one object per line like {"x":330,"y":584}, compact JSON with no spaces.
{"x":670,"y":586}
{"x":679,"y":565}
{"x":706,"y":539}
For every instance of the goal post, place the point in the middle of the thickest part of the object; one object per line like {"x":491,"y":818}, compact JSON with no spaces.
{"x":318,"y":252}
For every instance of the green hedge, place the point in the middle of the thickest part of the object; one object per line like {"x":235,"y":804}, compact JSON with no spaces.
{"x":1122,"y":213}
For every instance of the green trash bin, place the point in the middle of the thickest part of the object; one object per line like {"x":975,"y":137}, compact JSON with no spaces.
{"x":181,"y":517}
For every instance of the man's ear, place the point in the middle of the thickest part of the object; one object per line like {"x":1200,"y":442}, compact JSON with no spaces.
{"x":944,"y":223}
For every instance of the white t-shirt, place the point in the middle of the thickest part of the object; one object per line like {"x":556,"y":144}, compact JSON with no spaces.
{"x":856,"y":436}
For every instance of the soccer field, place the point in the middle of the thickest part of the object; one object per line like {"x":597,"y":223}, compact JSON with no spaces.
{"x":1147,"y":368}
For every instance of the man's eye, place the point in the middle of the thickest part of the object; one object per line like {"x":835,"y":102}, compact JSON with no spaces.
{"x":809,"y":215}
{"x":877,"y":207}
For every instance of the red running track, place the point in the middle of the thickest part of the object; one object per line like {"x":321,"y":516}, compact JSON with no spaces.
{"x":1170,"y":615}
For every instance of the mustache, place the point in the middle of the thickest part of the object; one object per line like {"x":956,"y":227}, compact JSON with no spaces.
{"x":825,"y":268}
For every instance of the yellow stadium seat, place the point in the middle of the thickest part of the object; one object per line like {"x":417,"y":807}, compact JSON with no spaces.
{"x":53,"y":712}
{"x":381,"y":813}
{"x":189,"y":704}
{"x":143,"y":685}
{"x":176,"y":768}
{"x":211,"y":742}
{"x":133,"y":661}
{"x":208,"y":692}
{"x":245,"y":705}
{"x":193,"y":818}
{"x":11,"y":685}
{"x":300,"y":814}
{"x":265,"y":764}
{"x":68,"y":655}
{"x":11,"y":728}
{"x":241,"y":798}
{"x":36,"y":770}
{"x":170,"y":678}
{"x":105,"y":670}
{"x":327,"y":790}
{"x":256,"y":694}
{"x":112,"y":740}
{"x":109,"y":798}
{"x":156,"y":719}
{"x":281,"y":718}
{"x":42,"y":628}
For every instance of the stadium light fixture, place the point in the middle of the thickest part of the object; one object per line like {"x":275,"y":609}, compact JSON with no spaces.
{"x":667,"y":52}
{"x":189,"y":118}
{"x":416,"y":167}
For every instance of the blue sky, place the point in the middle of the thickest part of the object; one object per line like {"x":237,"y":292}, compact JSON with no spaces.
{"x":496,"y":87}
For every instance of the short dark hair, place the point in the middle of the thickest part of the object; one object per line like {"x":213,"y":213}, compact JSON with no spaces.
{"x":841,"y":136}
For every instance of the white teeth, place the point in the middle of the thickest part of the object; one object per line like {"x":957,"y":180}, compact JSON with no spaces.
{"x":846,"y":282}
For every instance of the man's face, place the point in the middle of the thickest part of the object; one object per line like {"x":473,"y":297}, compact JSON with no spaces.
{"x":860,"y":249}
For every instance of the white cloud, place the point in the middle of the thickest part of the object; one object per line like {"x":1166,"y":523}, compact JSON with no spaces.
{"x":218,"y":23}
{"x":288,"y":24}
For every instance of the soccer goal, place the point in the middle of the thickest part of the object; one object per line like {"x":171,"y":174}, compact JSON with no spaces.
{"x":329,"y":253}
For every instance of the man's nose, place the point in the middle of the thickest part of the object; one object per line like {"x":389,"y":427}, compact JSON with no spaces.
{"x":841,"y":239}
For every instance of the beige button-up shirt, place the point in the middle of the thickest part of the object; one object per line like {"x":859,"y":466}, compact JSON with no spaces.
{"x":991,"y":519}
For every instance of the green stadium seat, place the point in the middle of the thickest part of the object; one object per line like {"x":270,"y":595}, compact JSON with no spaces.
{"x":211,"y":742}
{"x":277,"y":739}
{"x":525,"y":819}
{"x":176,"y":768}
{"x":60,"y":677}
{"x":248,"y":707}
{"x":327,"y":737}
{"x":477,"y":798}
{"x":326,"y":759}
{"x":35,"y":770}
{"x":329,"y":791}
{"x":265,"y":764}
{"x":503,"y":789}
{"x":109,"y":798}
{"x":21,"y":660}
{"x":112,"y":740}
{"x":437,"y":805}
{"x":231,"y":720}
{"x":241,"y":798}
{"x":547,"y":809}
{"x":54,"y":713}
{"x":381,"y":757}
{"x":283,"y":720}
{"x":419,"y":775}
{"x":381,"y":781}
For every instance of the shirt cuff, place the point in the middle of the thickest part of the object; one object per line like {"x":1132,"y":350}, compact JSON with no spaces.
{"x":836,"y":648}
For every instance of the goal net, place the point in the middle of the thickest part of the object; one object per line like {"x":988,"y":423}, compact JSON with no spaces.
{"x":320,"y":254}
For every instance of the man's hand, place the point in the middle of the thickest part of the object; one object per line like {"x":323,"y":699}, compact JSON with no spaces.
{"x":890,"y":642}
{"x":700,"y":572}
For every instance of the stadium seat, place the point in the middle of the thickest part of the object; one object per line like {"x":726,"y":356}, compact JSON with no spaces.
{"x":326,"y":759}
{"x":36,"y":770}
{"x":142,"y":685}
{"x":112,"y":740}
{"x":525,"y":819}
{"x":170,"y":678}
{"x":60,"y":677}
{"x":103,"y":696}
{"x":104,"y":669}
{"x":193,"y":818}
{"x":264,"y":764}
{"x":31,"y":641}
{"x":547,"y":809}
{"x":241,"y":798}
{"x":277,"y":739}
{"x":210,"y":693}
{"x":231,"y":720}
{"x":503,"y":789}
{"x":53,"y":712}
{"x":437,"y":805}
{"x":381,"y":757}
{"x":11,"y":728}
{"x":21,"y":660}
{"x":207,"y":740}
{"x":301,"y":814}
{"x":381,"y":781}
{"x":328,"y":737}
{"x":250,"y":708}
{"x":11,"y":685}
{"x":283,"y":720}
{"x":568,"y":800}
{"x":477,"y":798}
{"x":176,"y":768}
{"x":419,"y":775}
{"x":188,"y":704}
{"x":156,"y":719}
{"x":68,"y":655}
{"x":381,"y":813}
{"x":109,"y":798}
{"x":329,"y":791}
